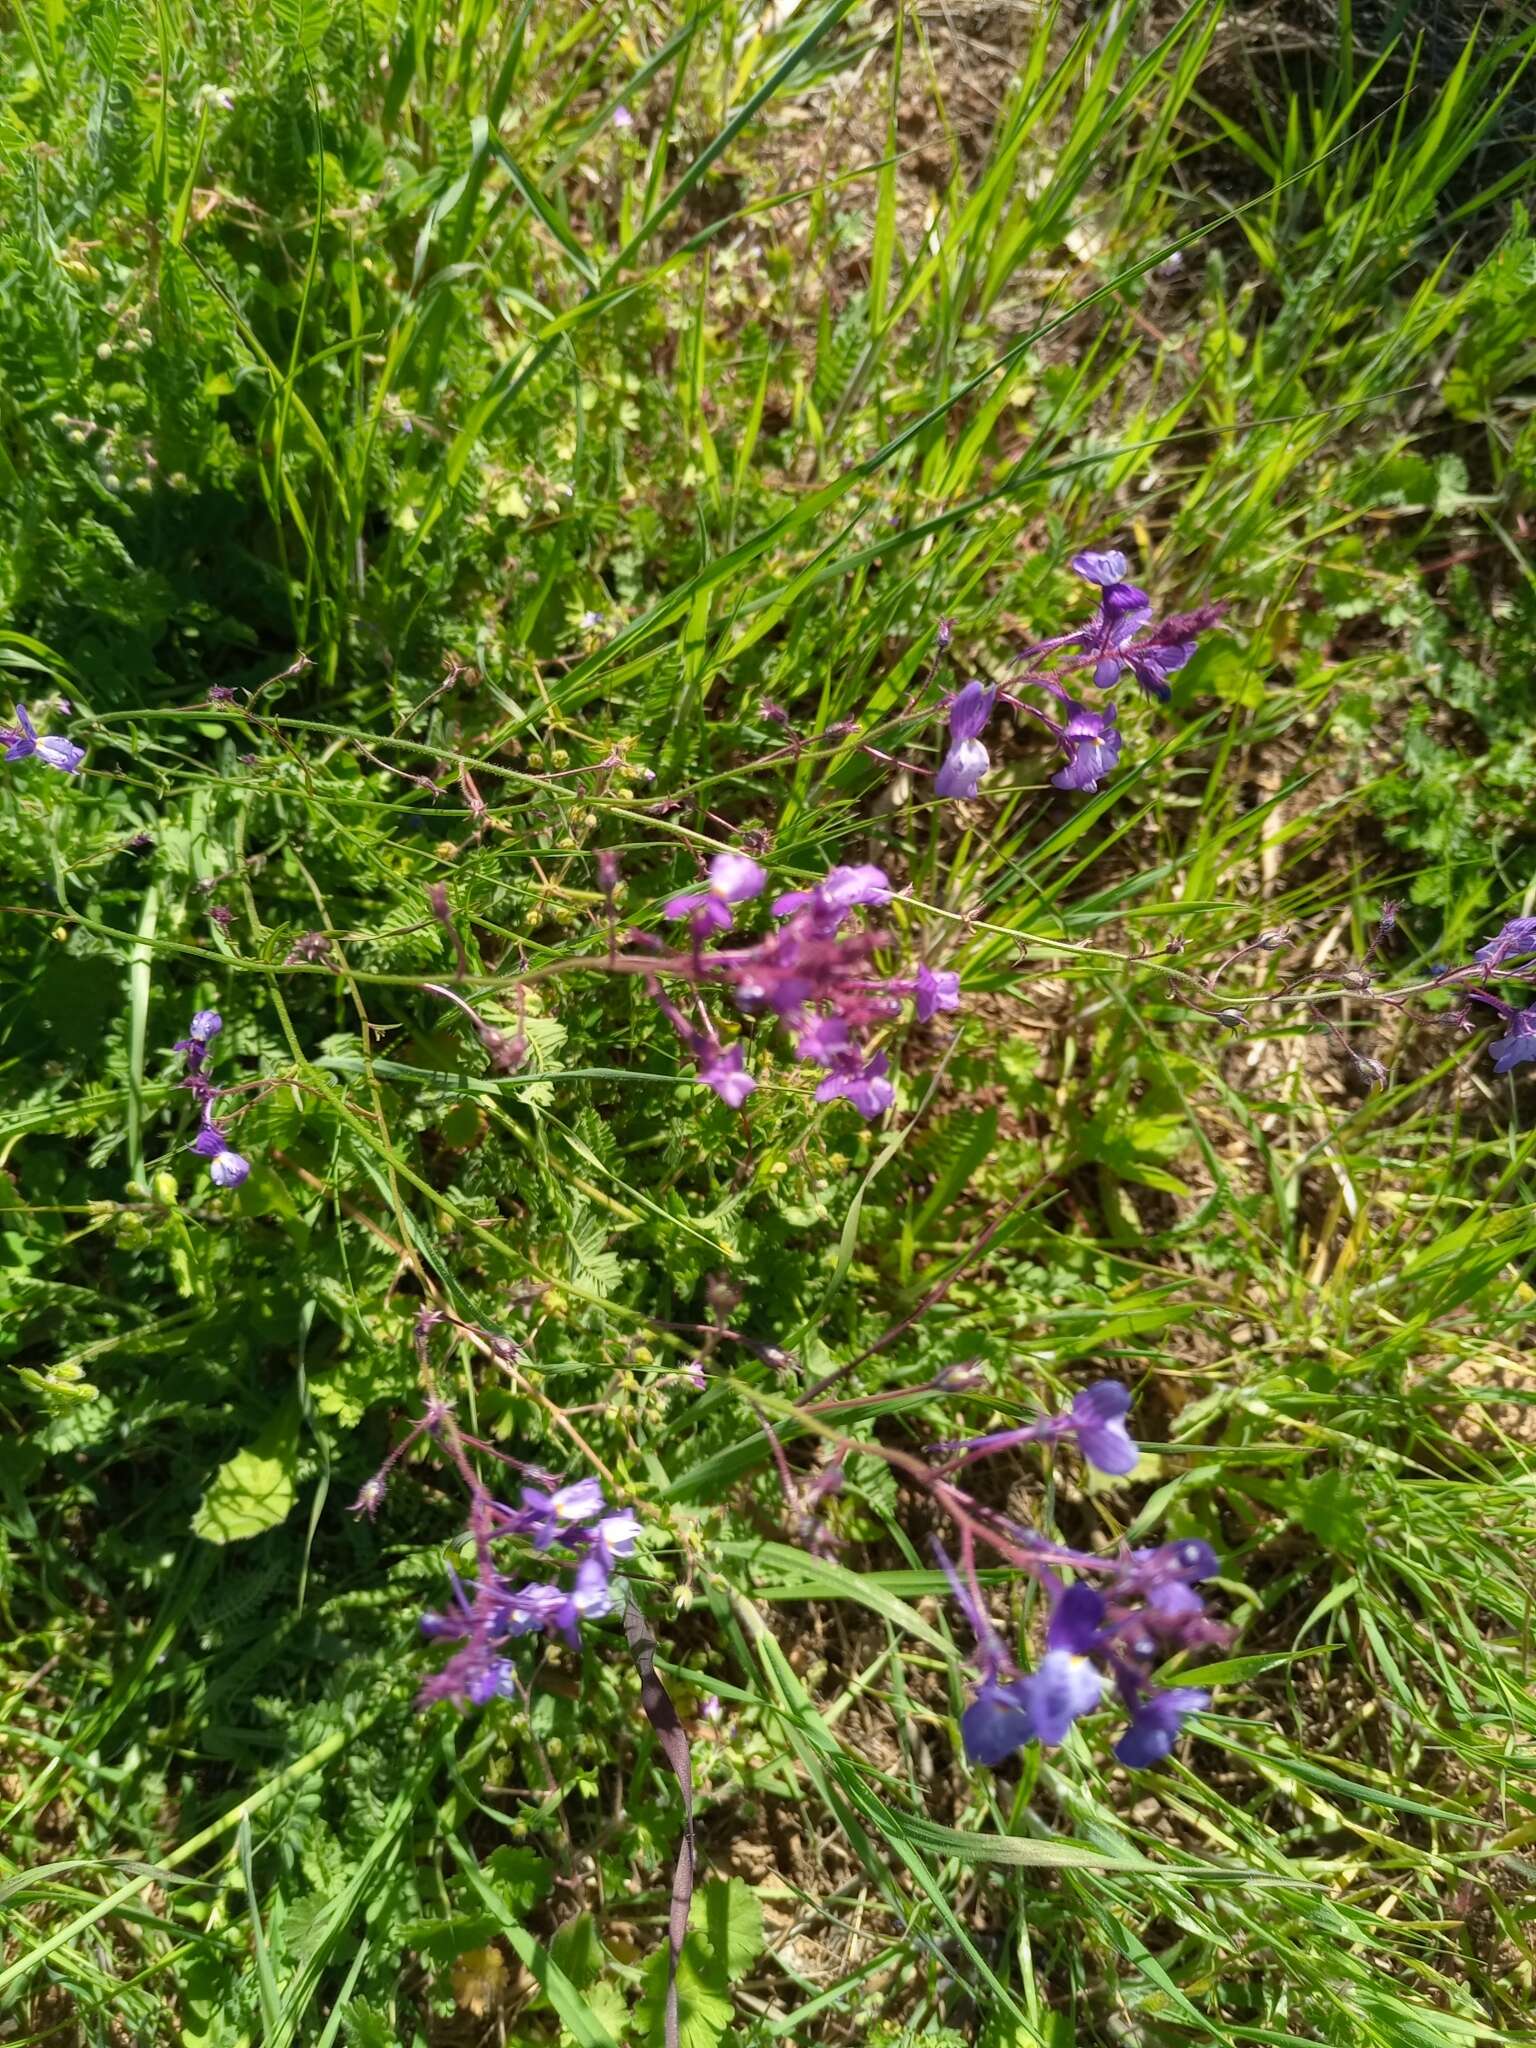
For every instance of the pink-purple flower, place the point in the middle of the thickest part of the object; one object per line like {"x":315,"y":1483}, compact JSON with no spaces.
{"x":547,"y":1517}
{"x":1097,"y":1419}
{"x":1105,"y":567}
{"x":934,"y":991}
{"x":203,"y":1030}
{"x":612,"y":1536}
{"x":1513,"y":942}
{"x":1123,"y":610}
{"x":724,"y":1070}
{"x":733,"y":878}
{"x":815,"y":974}
{"x":1152,"y":665}
{"x":999,"y":1720}
{"x":824,"y":1041}
{"x":1067,"y":1683}
{"x":841,"y":891}
{"x":863,"y":1083}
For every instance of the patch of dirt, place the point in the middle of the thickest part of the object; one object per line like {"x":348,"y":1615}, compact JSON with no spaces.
{"x":1490,"y":1425}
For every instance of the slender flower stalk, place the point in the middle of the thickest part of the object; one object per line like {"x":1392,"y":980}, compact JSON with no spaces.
{"x":733,"y":878}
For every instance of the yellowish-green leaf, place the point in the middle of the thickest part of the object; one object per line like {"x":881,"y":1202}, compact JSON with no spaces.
{"x":252,"y":1491}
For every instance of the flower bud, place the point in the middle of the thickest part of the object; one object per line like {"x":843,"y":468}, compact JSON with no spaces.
{"x":967,"y":1378}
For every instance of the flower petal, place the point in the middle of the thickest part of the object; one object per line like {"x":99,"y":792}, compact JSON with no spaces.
{"x":962,"y":769}
{"x":997,"y":1722}
{"x":1102,"y":566}
{"x":1064,"y":1687}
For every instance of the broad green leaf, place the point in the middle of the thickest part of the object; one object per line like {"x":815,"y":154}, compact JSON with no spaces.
{"x":577,"y":1949}
{"x":252,"y":1491}
{"x":727,"y":1914}
{"x":703,"y":2004}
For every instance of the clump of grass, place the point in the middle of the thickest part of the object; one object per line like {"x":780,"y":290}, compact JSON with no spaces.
{"x":465,"y":474}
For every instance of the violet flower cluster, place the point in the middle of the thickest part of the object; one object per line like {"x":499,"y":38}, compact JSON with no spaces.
{"x":1098,"y":1638}
{"x":1112,"y":1623}
{"x":1095,"y":1640}
{"x":571,"y":1524}
{"x":23,"y":742}
{"x":590,"y":1538}
{"x":814,"y":974}
{"x":227,"y":1168}
{"x":1121,"y":639}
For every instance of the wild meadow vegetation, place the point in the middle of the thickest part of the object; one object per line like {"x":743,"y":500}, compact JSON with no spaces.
{"x":766,"y":848}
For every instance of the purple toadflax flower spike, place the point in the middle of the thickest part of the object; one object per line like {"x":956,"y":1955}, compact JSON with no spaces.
{"x":733,"y":878}
{"x":721,"y":1068}
{"x":56,"y":751}
{"x":1149,"y":1609}
{"x":814,"y":974}
{"x":1145,"y":1608}
{"x":967,"y":760}
{"x":576,"y":1516}
{"x":1119,"y":639}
